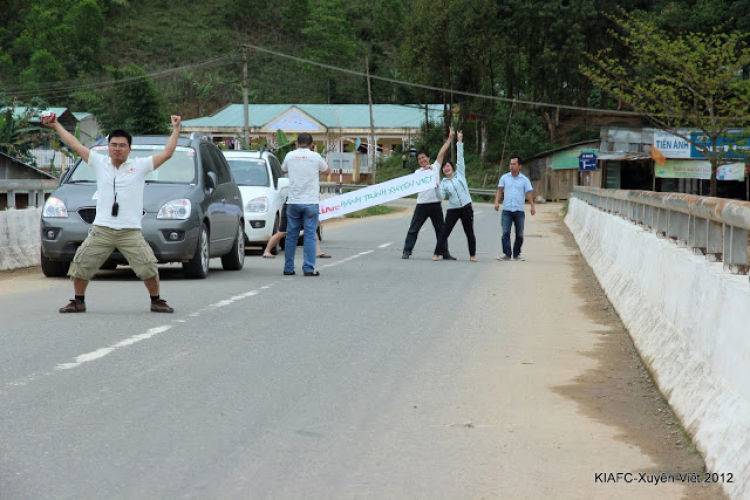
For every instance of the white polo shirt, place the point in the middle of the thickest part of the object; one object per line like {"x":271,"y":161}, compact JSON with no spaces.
{"x":128,"y":182}
{"x":431,"y":195}
{"x":304,"y":167}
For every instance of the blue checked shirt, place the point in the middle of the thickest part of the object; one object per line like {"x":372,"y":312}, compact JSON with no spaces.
{"x":515,"y":189}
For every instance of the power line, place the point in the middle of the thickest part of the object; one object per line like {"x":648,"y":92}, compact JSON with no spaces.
{"x":440,"y":89}
{"x":62,"y":88}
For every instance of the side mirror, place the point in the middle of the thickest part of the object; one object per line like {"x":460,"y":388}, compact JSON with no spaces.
{"x":283,"y":186}
{"x":212,"y":181}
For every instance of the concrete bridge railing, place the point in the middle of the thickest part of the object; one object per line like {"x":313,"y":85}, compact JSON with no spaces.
{"x":714,"y":227}
{"x":688,"y":316}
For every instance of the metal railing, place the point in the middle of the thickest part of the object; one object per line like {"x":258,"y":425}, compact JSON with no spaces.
{"x":35,"y":189}
{"x":714,"y":227}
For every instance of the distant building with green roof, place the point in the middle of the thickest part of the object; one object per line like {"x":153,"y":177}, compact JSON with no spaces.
{"x":340,"y":128}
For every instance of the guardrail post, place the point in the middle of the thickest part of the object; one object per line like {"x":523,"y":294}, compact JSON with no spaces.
{"x":648,"y":216}
{"x":715,"y":243}
{"x":698,"y":239}
{"x":662,"y":221}
{"x":735,"y":249}
{"x":679,"y":227}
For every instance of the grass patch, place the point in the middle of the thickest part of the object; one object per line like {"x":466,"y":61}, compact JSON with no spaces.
{"x":370,"y":211}
{"x":564,"y":212}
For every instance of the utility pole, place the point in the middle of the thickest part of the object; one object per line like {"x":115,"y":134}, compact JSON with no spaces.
{"x":245,"y":99}
{"x":372,"y":147}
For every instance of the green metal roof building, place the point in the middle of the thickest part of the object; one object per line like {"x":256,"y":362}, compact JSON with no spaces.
{"x":337,"y":126}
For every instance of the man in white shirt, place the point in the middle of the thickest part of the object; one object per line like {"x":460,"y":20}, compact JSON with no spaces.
{"x":119,"y":209}
{"x":429,"y":205}
{"x":513,"y":188}
{"x":304,"y":167}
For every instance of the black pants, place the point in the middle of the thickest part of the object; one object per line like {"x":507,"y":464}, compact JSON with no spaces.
{"x":423,"y":211}
{"x":466,"y":214}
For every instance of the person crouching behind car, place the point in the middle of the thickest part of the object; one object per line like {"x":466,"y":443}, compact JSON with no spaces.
{"x":120,"y":183}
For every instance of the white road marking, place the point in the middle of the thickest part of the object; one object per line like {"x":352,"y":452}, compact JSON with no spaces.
{"x":385,"y":245}
{"x":100,"y":353}
{"x":104,"y":351}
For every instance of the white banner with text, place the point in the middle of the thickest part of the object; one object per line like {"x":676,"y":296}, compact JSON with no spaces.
{"x":378,"y":194}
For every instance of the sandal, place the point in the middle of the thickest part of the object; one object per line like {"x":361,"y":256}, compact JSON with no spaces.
{"x":434,"y":257}
{"x":268,"y":256}
{"x":314,"y":273}
{"x":323,"y":256}
{"x":474,"y":259}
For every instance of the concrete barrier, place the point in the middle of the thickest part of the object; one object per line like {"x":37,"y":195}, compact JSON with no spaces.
{"x":690,"y":322}
{"x":19,"y":238}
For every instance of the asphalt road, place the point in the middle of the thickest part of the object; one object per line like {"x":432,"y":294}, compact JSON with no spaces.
{"x":383,"y":378}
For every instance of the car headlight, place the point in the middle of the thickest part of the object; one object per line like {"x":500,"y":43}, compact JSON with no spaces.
{"x":55,"y":208}
{"x":175,"y":209}
{"x":257,"y":205}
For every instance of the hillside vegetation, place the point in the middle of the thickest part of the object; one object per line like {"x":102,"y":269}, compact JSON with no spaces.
{"x":115,"y":58}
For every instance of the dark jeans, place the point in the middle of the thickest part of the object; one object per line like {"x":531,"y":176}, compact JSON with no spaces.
{"x":423,"y":211}
{"x":466,"y":214}
{"x":518,"y":219}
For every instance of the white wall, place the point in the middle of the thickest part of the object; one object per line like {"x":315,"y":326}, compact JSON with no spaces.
{"x":19,"y":238}
{"x":691,"y":324}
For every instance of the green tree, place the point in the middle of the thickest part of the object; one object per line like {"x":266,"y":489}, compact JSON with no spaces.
{"x":132,"y":103}
{"x":691,"y":81}
{"x":330,"y":39}
{"x":82,"y":41}
{"x":43,"y":67}
{"x":17,"y":134}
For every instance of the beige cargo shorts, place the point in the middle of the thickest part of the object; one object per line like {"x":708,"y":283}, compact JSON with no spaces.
{"x":102,"y":241}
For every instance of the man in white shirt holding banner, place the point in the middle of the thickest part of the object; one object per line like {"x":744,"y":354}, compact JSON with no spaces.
{"x":429,"y":205}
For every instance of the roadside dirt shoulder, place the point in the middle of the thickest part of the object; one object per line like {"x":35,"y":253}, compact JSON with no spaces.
{"x":620,"y":390}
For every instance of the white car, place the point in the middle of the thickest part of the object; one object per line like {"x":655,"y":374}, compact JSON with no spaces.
{"x":264,"y":191}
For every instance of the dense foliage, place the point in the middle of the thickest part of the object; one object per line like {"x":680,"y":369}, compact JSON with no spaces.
{"x":187,"y":58}
{"x":692,"y":81}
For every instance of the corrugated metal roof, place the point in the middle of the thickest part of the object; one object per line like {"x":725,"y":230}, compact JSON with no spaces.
{"x":622,"y":156}
{"x":20,"y":111}
{"x":30,"y":166}
{"x":329,"y":115}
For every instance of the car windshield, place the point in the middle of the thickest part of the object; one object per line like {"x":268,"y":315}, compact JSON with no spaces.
{"x":249,"y":171}
{"x":178,"y":169}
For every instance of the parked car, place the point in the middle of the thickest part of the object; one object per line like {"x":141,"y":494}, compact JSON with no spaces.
{"x":264,"y":192}
{"x":192,"y":210}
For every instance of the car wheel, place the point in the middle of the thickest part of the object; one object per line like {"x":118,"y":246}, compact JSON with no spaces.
{"x":235,"y":259}
{"x":197,"y":267}
{"x":54,"y":268}
{"x":275,"y":249}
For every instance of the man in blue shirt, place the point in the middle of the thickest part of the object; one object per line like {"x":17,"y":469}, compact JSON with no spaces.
{"x":514,"y":188}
